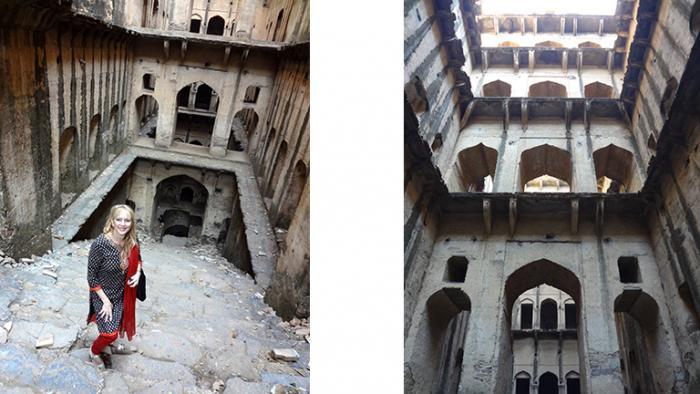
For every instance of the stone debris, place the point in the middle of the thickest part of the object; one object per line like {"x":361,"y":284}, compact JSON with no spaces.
{"x":302,"y":332}
{"x":26,"y":260}
{"x":285,"y":354}
{"x":294,"y":322}
{"x":218,"y":385}
{"x":183,"y":360}
{"x":45,"y":340}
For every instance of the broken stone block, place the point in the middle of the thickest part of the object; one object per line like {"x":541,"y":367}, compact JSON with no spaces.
{"x":7,"y":326}
{"x":294,"y":322}
{"x":45,"y":340}
{"x":258,"y":296}
{"x":302,"y":332}
{"x":218,"y":385}
{"x":8,"y":261}
{"x":285,"y":354}
{"x":26,"y":260}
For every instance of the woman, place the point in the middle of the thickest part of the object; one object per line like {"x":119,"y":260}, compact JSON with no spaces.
{"x":114,"y":270}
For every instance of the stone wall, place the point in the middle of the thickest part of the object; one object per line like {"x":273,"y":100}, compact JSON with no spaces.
{"x":62,"y":79}
{"x":279,"y":151}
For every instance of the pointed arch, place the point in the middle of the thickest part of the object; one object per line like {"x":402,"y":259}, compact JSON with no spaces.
{"x":547,"y":89}
{"x":497,"y":88}
{"x":597,"y":89}
{"x":474,"y":165}
{"x":545,"y":160}
{"x":614,"y":163}
{"x":291,"y":201}
{"x":216,"y":26}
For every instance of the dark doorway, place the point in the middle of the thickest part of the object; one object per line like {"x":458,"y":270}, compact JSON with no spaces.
{"x":548,"y":315}
{"x":548,"y":384}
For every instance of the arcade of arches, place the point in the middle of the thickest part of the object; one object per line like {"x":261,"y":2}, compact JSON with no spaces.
{"x":551,"y":171}
{"x":175,"y":107}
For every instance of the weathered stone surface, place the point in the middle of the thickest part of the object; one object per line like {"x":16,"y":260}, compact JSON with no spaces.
{"x":18,"y":365}
{"x":67,"y":374}
{"x":169,"y":347}
{"x":237,"y":385}
{"x":301,"y":382}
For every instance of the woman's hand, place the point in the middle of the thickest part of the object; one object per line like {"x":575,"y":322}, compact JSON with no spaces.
{"x":106,"y":312}
{"x":134,"y":280}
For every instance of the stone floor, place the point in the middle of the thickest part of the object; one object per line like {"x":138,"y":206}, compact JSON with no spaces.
{"x":203,"y":328}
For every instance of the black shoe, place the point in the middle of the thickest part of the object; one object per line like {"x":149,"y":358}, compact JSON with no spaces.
{"x":107,"y":359}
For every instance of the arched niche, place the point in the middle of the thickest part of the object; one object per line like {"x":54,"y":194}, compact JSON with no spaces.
{"x":178,"y":206}
{"x":475,"y":168}
{"x":216,"y":26}
{"x":522,"y":383}
{"x":277,"y":169}
{"x":549,"y":44}
{"x":94,"y":142}
{"x":597,"y":90}
{"x":243,"y":126}
{"x":614,"y":163}
{"x":497,"y":88}
{"x":293,"y":197}
{"x":547,"y":89}
{"x":146,"y":115}
{"x":445,"y":321}
{"x":645,"y":349}
{"x":548,"y":383}
{"x":545,"y":160}
{"x":279,"y":28}
{"x":68,"y":158}
{"x":195,"y":23}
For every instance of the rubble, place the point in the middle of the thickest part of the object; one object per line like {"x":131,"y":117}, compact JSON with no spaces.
{"x":45,"y":340}
{"x":285,"y":354}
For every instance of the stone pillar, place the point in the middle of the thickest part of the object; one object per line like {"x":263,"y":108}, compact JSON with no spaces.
{"x":245,"y":19}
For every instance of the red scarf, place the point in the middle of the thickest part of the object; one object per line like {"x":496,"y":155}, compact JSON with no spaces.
{"x":128,"y":325}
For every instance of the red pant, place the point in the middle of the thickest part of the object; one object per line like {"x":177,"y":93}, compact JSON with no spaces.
{"x":102,"y":341}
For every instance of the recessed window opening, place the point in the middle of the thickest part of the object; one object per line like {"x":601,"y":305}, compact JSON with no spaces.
{"x":548,"y":384}
{"x":251,"y":94}
{"x":548,"y":315}
{"x":216,"y":26}
{"x":456,"y":269}
{"x":149,"y":81}
{"x":186,"y":194}
{"x":570,"y":316}
{"x":669,"y":94}
{"x":195,"y":24}
{"x":526,"y":315}
{"x":522,"y":383}
{"x":196,"y":113}
{"x":573,"y":383}
{"x":629,"y":269}
{"x":607,"y":185}
{"x":437,"y":143}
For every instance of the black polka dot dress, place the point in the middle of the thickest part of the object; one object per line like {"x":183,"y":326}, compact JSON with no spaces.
{"x":104,"y":272}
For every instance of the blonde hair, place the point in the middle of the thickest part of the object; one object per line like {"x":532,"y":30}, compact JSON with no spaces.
{"x":130,"y":237}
